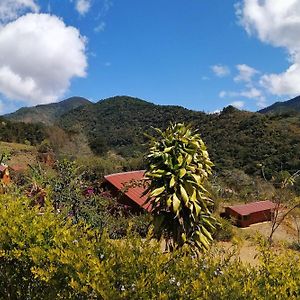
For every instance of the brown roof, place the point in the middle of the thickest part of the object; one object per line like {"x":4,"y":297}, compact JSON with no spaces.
{"x":133,"y":191}
{"x":249,"y":208}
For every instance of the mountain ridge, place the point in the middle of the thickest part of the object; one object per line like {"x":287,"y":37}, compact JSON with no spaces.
{"x":47,"y":113}
{"x":118,"y":124}
{"x":279,"y":107}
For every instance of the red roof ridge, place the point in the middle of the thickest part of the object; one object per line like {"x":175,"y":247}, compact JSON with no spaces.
{"x":248,"y":208}
{"x":121,"y":173}
{"x":250,"y":203}
{"x":136,"y":192}
{"x":3,"y":167}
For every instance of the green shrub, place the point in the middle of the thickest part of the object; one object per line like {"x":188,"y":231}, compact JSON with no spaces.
{"x":295,"y":246}
{"x":45,"y":256}
{"x":225,"y":231}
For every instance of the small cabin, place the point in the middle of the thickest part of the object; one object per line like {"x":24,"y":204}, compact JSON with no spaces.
{"x":128,"y":188}
{"x":4,"y":174}
{"x":250,"y":213}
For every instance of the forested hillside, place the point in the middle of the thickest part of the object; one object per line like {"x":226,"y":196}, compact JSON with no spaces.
{"x":46,"y":113}
{"x":19,"y":132}
{"x":235,"y":139}
{"x":289,"y":106}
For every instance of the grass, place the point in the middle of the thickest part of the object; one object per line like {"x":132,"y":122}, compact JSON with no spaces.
{"x":21,"y":154}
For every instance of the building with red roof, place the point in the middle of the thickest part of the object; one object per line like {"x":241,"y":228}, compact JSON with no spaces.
{"x":251,"y":213}
{"x":129,"y":187}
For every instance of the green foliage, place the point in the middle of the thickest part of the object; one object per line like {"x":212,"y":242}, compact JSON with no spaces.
{"x":18,"y":132}
{"x":178,"y":166}
{"x":230,"y":136}
{"x":45,"y":256}
{"x":4,"y":157}
{"x":77,"y":196}
{"x":67,"y":188}
{"x":295,"y":246}
{"x":106,"y":214}
{"x":225,"y":231}
{"x":108,"y":129}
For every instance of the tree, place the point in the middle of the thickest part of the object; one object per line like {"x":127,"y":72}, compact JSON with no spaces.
{"x":178,"y":166}
{"x":278,"y":216}
{"x":4,"y":157}
{"x":66,"y":186}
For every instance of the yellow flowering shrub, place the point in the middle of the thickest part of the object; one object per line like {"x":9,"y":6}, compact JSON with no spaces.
{"x":45,"y":256}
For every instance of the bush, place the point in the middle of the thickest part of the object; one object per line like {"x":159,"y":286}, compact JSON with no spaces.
{"x":225,"y":231}
{"x":295,"y":246}
{"x":45,"y":256}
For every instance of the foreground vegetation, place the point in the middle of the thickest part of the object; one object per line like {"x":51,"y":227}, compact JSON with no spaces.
{"x":63,"y":237}
{"x":46,"y":256}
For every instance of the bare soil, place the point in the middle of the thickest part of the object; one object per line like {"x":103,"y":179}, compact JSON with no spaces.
{"x":284,"y":235}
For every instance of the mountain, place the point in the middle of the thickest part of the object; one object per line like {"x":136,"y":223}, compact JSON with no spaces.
{"x":292,"y":105}
{"x":119,"y":122}
{"x":46,"y":113}
{"x":235,"y":139}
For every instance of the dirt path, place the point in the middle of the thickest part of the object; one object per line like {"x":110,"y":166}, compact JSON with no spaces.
{"x":285,"y":234}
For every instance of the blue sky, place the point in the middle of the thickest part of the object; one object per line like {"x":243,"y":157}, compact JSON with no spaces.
{"x":200,"y":54}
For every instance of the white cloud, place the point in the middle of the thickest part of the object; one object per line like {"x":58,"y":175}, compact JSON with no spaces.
{"x":107,"y":4}
{"x":100,"y":27}
{"x":286,"y":83}
{"x":229,"y":94}
{"x":220,"y":70}
{"x":251,"y":93}
{"x":222,"y":94}
{"x":276,"y":23}
{"x":12,"y":9}
{"x":83,"y":6}
{"x":261,"y":103}
{"x":39,"y":55}
{"x":245,"y":74}
{"x":217,"y":111}
{"x":238,"y":104}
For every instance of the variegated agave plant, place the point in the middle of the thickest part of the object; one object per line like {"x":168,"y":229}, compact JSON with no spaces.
{"x":178,"y":167}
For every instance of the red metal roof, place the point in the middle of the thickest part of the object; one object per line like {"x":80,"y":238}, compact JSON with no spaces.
{"x":17,"y":168}
{"x":133,"y":191}
{"x":2,"y":168}
{"x":249,"y":208}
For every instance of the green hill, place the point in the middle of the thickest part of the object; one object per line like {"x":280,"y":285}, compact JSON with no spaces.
{"x":235,"y":139}
{"x":289,"y":106}
{"x":118,"y":123}
{"x":46,"y":113}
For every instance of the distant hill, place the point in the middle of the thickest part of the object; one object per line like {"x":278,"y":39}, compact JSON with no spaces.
{"x":118,"y":123}
{"x":46,"y":113}
{"x":235,"y":139}
{"x":292,"y":105}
